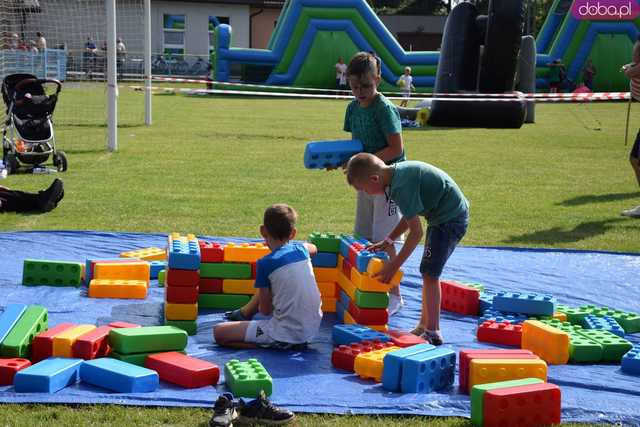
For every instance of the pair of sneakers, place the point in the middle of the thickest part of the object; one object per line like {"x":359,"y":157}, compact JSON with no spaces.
{"x":432,"y":337}
{"x":226,"y":411}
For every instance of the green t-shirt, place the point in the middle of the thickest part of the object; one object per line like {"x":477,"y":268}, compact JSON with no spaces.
{"x":372,"y":125}
{"x":419,"y":188}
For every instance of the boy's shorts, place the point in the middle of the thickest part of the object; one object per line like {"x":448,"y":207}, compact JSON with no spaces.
{"x":440,"y":243}
{"x":255,"y":334}
{"x":406,"y":95}
{"x":635,"y":150}
{"x":376,"y":216}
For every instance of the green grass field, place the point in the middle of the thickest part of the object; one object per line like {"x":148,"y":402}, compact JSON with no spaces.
{"x":211,"y":165}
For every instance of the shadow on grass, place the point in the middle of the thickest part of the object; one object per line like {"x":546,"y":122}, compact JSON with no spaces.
{"x":599,"y":198}
{"x":558,"y":235}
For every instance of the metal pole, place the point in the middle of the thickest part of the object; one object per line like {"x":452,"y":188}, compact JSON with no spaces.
{"x":112,"y":82}
{"x":626,"y":126}
{"x":148,"y":119}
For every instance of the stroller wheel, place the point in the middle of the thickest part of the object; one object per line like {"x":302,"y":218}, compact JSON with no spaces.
{"x":11,"y":163}
{"x":60,"y":161}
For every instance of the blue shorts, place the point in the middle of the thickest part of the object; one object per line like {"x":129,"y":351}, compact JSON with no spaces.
{"x":440,"y":243}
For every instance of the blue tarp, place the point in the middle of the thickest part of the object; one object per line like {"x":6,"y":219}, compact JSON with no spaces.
{"x":306,"y":381}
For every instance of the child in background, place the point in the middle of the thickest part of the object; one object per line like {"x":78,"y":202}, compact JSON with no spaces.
{"x":374,"y":120}
{"x":286,"y":291}
{"x":406,"y":82}
{"x":419,"y":189}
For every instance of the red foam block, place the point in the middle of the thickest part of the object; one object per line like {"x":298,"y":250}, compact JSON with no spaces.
{"x":182,"y":370}
{"x":530,"y":405}
{"x":42,"y":344}
{"x":346,"y":268}
{"x":9,"y":367}
{"x":368,"y":316}
{"x":503,"y":333}
{"x":467,"y":355}
{"x":344,"y":356}
{"x":182,"y":295}
{"x":404,"y":339}
{"x":210,"y":286}
{"x":178,"y":277}
{"x":354,"y":250}
{"x":116,"y":325}
{"x":93,"y":344}
{"x":211,"y":252}
{"x":459,"y":298}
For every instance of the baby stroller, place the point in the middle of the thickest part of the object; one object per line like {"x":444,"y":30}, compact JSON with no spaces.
{"x":27,"y":135}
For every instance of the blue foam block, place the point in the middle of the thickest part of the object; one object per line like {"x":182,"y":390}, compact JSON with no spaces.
{"x":499,"y":316}
{"x":428,"y":371}
{"x":363,"y":258}
{"x":486,"y":301}
{"x":184,"y":255}
{"x":47,"y":376}
{"x":156,"y":267}
{"x":116,"y":375}
{"x":9,"y":318}
{"x":325,"y":260}
{"x":344,"y":299}
{"x":631,"y":361}
{"x":347,"y":334}
{"x":346,"y":241}
{"x":392,"y":365}
{"x":324,"y":154}
{"x":607,"y":323}
{"x":340,"y":309}
{"x":525,"y":302}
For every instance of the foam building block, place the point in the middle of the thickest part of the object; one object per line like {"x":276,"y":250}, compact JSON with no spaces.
{"x":404,"y":338}
{"x":613,"y":347}
{"x":118,"y":288}
{"x":466,"y":355}
{"x":325,"y":242}
{"x":92,"y":344}
{"x":328,"y":289}
{"x":486,"y":301}
{"x":325,"y":259}
{"x":526,"y":405}
{"x":344,"y":356}
{"x":482,"y":371}
{"x":392,"y":374}
{"x":630,"y":363}
{"x":581,"y":348}
{"x":238,"y":286}
{"x":51,"y":273}
{"x":184,"y":255}
{"x":368,"y":316}
{"x":9,"y":317}
{"x":347,"y":334}
{"x":185,"y":371}
{"x":182,"y":278}
{"x":63,"y":342}
{"x":246,"y":379}
{"x":222,"y":301}
{"x":547,"y":342}
{"x":133,"y":270}
{"x":120,"y":324}
{"x":9,"y":368}
{"x":503,"y":333}
{"x":328,"y":304}
{"x":245,"y":252}
{"x":629,"y":321}
{"x":211,"y":251}
{"x":182,"y":295}
{"x":370,"y":365}
{"x":607,"y":323}
{"x":501,"y":316}
{"x":364,"y":257}
{"x":90,"y":265}
{"x":346,"y":242}
{"x":574,"y":315}
{"x":210,"y":286}
{"x":459,"y":298}
{"x":348,"y":320}
{"x":326,"y":154}
{"x":47,"y":376}
{"x":146,"y":254}
{"x":225,"y":270}
{"x":42,"y":344}
{"x":525,"y":302}
{"x":180,"y":311}
{"x":478,"y":391}
{"x":17,"y":343}
{"x":162,"y":278}
{"x":119,"y":376}
{"x":325,"y":274}
{"x":147,"y":339}
{"x":155,"y":267}
{"x":367,"y":283}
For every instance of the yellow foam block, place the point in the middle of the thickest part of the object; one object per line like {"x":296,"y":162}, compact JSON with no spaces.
{"x":63,"y":342}
{"x":238,"y":286}
{"x":180,"y":311}
{"x":329,"y":304}
{"x":245,"y":252}
{"x":376,"y":264}
{"x":326,"y":274}
{"x":328,"y":289}
{"x":134,"y":270}
{"x":546,"y":342}
{"x":184,"y":238}
{"x":126,"y":289}
{"x":347,"y":286}
{"x":483,"y":371}
{"x":364,"y":282}
{"x":370,"y":364}
{"x":147,"y":254}
{"x":560,"y":316}
{"x":379,"y":328}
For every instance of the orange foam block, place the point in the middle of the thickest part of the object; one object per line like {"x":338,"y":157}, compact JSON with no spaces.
{"x":238,"y":286}
{"x":483,"y":371}
{"x":245,"y":252}
{"x":124,"y":289}
{"x":134,"y":270}
{"x":547,"y":342}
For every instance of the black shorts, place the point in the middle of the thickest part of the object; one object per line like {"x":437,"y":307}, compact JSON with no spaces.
{"x":635,"y":150}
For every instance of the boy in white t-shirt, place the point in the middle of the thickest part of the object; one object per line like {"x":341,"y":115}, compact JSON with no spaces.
{"x":341,"y":74}
{"x":406,"y":82}
{"x":286,"y":290}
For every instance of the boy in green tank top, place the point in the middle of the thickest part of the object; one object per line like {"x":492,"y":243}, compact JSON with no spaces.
{"x":419,"y":189}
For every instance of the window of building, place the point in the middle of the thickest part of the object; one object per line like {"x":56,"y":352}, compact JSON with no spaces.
{"x":173,"y":34}
{"x":214,"y":21}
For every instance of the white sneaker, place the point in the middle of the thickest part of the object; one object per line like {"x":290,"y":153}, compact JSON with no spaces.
{"x":633,"y":213}
{"x":395,"y":304}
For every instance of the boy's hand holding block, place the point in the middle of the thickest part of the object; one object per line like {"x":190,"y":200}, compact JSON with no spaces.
{"x":374,"y":267}
{"x":330,"y":154}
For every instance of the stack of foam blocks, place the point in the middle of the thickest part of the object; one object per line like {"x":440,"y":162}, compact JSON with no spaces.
{"x":182,"y":279}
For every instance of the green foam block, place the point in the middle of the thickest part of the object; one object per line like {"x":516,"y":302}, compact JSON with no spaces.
{"x":325,"y":242}
{"x":581,"y":348}
{"x":246,"y":379}
{"x":613,"y":347}
{"x":189,"y":326}
{"x":148,"y":339}
{"x":18,"y":342}
{"x":371,"y":299}
{"x":477,"y":395}
{"x":222,"y":301}
{"x":225,"y":270}
{"x":135,"y":358}
{"x":51,"y":273}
